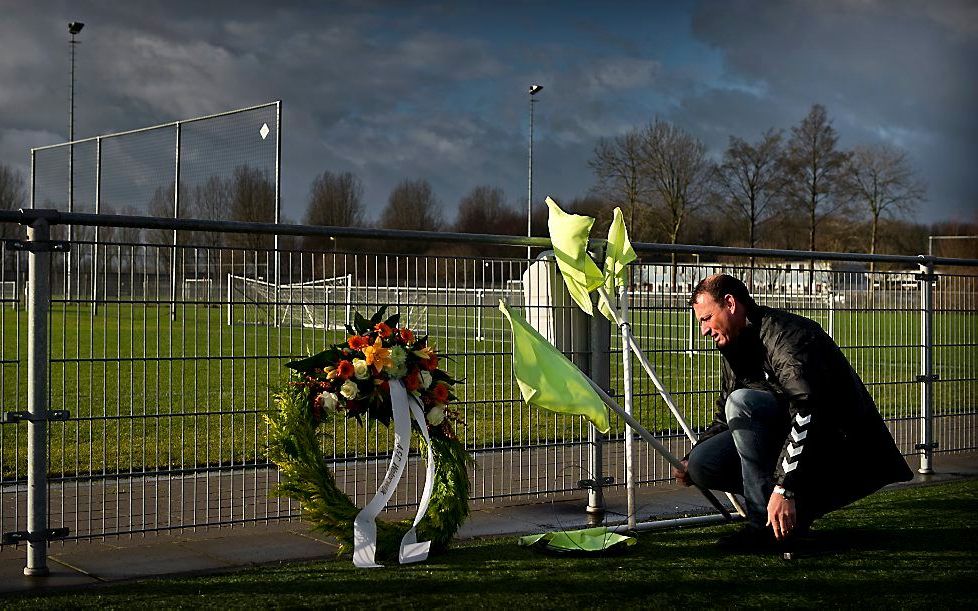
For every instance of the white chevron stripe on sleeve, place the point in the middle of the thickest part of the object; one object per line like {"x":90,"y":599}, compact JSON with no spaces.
{"x":803,"y":421}
{"x":798,"y":435}
{"x":788,"y":466}
{"x":793,"y":450}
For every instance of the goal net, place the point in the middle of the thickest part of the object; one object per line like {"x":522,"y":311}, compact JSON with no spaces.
{"x":325,"y":303}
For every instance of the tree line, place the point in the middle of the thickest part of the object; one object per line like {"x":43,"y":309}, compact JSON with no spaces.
{"x":794,"y":188}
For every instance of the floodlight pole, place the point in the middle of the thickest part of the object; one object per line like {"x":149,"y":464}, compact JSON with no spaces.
{"x":534,"y":89}
{"x":73,"y":28}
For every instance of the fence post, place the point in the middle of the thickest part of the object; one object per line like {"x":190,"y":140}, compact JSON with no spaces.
{"x":599,"y":369}
{"x":926,"y":377}
{"x":38,"y":304}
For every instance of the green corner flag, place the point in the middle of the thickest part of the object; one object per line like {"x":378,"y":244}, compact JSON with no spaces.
{"x":548,"y":379}
{"x":617,"y":257}
{"x":568,"y":234}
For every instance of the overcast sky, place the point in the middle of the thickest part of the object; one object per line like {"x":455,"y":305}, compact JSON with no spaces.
{"x":394,"y":90}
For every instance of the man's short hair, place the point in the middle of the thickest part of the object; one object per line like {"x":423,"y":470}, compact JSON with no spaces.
{"x":718,"y":286}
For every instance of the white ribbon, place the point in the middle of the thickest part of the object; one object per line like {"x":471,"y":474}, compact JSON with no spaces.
{"x":365,"y":525}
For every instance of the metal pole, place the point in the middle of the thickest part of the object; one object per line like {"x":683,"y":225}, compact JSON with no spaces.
{"x":926,"y":377}
{"x":278,"y":203}
{"x":38,"y":303}
{"x":71,"y":163}
{"x":98,"y":210}
{"x":599,"y":371}
{"x":176,"y":215}
{"x":626,"y":355}
{"x":529,"y":183}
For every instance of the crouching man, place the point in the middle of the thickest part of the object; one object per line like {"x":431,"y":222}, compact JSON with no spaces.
{"x":796,"y":431}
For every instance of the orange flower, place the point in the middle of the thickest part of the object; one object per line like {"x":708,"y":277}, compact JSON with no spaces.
{"x":358,"y":342}
{"x":383,"y":330}
{"x":377,"y":355}
{"x":407,"y":335}
{"x":344,"y":369}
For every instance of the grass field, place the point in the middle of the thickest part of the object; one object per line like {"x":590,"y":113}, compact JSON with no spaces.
{"x":912,"y":547}
{"x":147,"y":390}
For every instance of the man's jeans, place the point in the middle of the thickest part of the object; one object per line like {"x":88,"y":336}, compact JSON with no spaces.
{"x":743,"y":458}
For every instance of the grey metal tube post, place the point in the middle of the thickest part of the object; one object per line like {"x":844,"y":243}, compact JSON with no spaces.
{"x":926,"y":377}
{"x":38,"y":303}
{"x":600,"y":374}
{"x":626,"y":369}
{"x":277,"y":257}
{"x":176,"y":215}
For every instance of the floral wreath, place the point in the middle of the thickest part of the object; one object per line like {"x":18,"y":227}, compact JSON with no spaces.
{"x":353,"y":379}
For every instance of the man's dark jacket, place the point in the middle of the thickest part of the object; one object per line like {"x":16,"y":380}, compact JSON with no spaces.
{"x":837,"y":448}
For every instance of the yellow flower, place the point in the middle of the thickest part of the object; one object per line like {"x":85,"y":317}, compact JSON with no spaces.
{"x":377,"y":355}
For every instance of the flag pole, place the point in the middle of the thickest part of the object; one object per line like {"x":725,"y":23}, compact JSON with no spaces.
{"x":631,"y":343}
{"x":655,"y":443}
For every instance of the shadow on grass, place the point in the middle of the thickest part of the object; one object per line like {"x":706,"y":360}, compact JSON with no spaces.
{"x":911,"y":547}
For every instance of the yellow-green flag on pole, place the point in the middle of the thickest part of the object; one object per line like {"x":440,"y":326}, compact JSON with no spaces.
{"x":617,"y":257}
{"x":548,"y":379}
{"x":568,"y":234}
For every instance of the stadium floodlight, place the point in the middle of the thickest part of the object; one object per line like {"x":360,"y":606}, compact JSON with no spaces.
{"x":74,"y":27}
{"x":534,"y":89}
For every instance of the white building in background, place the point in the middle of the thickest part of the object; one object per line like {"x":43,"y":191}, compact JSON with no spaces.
{"x":786,"y":277}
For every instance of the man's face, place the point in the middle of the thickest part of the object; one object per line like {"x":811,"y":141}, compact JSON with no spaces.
{"x":722,"y":321}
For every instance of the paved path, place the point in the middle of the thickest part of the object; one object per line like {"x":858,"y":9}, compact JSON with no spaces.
{"x":214,"y":550}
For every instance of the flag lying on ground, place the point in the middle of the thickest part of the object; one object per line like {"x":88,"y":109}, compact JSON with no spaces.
{"x":618,"y":255}
{"x":586,"y":541}
{"x":568,"y":234}
{"x":548,"y":379}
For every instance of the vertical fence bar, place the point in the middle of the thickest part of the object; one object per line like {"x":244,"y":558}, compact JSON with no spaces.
{"x":38,"y":303}
{"x":926,"y":377}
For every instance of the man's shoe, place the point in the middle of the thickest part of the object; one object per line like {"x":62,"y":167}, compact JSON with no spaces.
{"x":749,"y":539}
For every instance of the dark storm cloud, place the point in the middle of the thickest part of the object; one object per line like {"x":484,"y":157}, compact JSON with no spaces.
{"x":438,"y":91}
{"x":899,"y":72}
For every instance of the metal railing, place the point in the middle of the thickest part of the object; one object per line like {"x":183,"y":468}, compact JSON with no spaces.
{"x":144,"y":394}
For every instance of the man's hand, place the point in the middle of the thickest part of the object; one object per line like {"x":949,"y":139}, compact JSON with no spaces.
{"x":682,"y":474}
{"x":781,"y":515}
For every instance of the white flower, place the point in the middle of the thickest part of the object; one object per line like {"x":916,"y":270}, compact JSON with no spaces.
{"x":328,"y":400}
{"x":425,"y":379}
{"x":349,"y":389}
{"x":360,"y":369}
{"x":436,"y":415}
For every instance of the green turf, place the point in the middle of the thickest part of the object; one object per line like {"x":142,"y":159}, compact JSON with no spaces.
{"x":913,"y":547}
{"x":149,"y":390}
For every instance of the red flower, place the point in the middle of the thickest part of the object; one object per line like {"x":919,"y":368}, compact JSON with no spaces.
{"x":358,"y":342}
{"x":383,"y":330}
{"x":440,"y":392}
{"x":407,"y":335}
{"x":344,"y":369}
{"x":412,"y":381}
{"x":431,"y":363}
{"x":316,"y":414}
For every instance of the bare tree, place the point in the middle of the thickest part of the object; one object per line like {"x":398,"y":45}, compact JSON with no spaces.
{"x":484,"y":210}
{"x":882,"y":181}
{"x":619,"y":165}
{"x":412,"y":205}
{"x":815,"y":168}
{"x":678,"y":173}
{"x":750,"y":179}
{"x":13,"y":196}
{"x":335,"y":200}
{"x":253,"y":200}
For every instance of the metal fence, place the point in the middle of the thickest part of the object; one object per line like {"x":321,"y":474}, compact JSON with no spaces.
{"x":135,"y":401}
